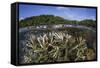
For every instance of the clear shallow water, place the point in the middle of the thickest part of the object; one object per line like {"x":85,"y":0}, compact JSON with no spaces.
{"x":90,"y":34}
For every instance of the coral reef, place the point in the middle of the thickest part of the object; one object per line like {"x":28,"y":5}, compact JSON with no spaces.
{"x":55,"y":46}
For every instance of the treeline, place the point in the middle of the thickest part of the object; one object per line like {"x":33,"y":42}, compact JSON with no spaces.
{"x":51,"y":19}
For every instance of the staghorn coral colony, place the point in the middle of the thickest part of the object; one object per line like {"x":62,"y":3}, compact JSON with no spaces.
{"x":45,"y":46}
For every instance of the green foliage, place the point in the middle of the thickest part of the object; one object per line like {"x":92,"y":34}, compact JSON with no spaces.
{"x":89,"y":23}
{"x":51,"y":19}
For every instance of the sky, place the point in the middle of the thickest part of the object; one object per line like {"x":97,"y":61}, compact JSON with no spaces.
{"x":71,"y":13}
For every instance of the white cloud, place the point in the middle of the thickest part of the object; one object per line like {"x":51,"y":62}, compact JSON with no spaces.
{"x":62,"y":8}
{"x":21,"y":18}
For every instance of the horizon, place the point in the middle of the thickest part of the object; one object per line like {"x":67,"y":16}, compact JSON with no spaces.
{"x":55,"y":16}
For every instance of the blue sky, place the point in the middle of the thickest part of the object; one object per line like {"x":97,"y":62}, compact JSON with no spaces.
{"x":72,"y":13}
